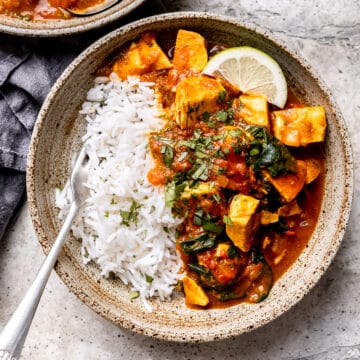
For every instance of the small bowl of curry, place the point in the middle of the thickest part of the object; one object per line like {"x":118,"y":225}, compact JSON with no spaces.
{"x":265,"y":204}
{"x":46,"y":18}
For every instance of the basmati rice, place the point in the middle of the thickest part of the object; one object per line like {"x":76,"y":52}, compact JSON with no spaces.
{"x":124,"y":226}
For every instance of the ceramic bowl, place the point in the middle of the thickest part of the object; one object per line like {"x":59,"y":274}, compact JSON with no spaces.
{"x":57,"y":136}
{"x":74,"y":25}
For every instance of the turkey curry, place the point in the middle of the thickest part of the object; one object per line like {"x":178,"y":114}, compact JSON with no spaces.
{"x":246,"y":177}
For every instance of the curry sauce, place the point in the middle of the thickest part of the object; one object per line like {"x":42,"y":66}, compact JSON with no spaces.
{"x":248,"y":198}
{"x":43,"y":9}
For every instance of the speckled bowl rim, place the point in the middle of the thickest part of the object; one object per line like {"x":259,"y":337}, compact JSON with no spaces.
{"x":307,"y":285}
{"x":75,"y":25}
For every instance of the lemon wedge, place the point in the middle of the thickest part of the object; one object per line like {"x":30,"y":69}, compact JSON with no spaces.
{"x":251,"y":71}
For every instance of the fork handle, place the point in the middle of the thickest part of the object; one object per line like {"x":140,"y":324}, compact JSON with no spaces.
{"x":14,"y":334}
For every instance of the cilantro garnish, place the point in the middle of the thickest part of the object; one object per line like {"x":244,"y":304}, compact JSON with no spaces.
{"x":131,"y":215}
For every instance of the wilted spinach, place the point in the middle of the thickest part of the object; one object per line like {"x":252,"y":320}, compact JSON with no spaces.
{"x":200,"y":243}
{"x":267,"y":152}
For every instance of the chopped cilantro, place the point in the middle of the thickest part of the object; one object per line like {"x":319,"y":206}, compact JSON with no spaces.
{"x":200,"y":154}
{"x":188,"y":143}
{"x":168,"y":155}
{"x":217,"y":198}
{"x":134,"y":295}
{"x":182,"y":156}
{"x":222,"y":115}
{"x":201,"y":172}
{"x":198,"y":215}
{"x":131,"y":215}
{"x":173,"y":192}
{"x":254,"y":151}
{"x":221,"y":96}
{"x":227,"y":220}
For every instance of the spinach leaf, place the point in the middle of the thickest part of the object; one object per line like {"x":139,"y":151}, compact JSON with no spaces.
{"x":257,"y":256}
{"x":200,"y":243}
{"x":232,"y":252}
{"x":213,"y":227}
{"x":200,"y":269}
{"x":227,"y":295}
{"x":267,"y":152}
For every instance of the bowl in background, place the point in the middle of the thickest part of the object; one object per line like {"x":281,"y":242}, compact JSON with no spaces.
{"x":49,"y":28}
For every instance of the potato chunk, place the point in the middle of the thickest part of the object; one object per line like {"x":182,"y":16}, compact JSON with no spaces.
{"x":194,"y":294}
{"x":289,"y":185}
{"x":142,"y":56}
{"x":299,"y":126}
{"x":194,"y":96}
{"x":190,"y":51}
{"x":242,"y":213}
{"x":253,"y":110}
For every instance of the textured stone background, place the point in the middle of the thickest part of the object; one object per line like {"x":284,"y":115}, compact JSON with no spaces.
{"x":327,"y":34}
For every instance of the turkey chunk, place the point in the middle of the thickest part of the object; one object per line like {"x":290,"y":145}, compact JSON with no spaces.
{"x":244,"y":221}
{"x":142,"y":56}
{"x":194,"y":96}
{"x":190,"y":51}
{"x":200,"y":190}
{"x":299,"y":126}
{"x":313,"y":169}
{"x":194,"y":294}
{"x":252,"y":109}
{"x":268,"y":217}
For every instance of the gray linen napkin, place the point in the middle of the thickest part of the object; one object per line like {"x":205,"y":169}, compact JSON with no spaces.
{"x":28,"y":69}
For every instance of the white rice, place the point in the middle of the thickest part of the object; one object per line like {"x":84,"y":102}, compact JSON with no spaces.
{"x":119,"y":116}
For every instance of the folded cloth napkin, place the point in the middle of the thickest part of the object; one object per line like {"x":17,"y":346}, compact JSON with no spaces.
{"x":28,"y":68}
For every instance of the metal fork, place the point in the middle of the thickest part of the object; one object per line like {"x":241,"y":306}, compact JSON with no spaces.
{"x":13,"y":335}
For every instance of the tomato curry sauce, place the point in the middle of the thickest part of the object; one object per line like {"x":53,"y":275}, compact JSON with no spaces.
{"x":43,"y":9}
{"x":245,"y":176}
